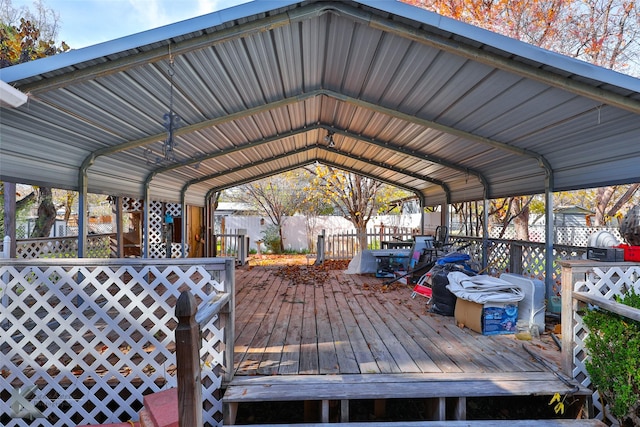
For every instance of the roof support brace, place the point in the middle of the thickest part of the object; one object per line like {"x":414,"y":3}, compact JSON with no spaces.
{"x":183,"y":225}
{"x":548,"y":233}
{"x":83,"y":209}
{"x":145,"y":225}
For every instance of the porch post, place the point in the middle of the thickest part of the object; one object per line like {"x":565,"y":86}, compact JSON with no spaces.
{"x":485,"y":232}
{"x":145,"y":221}
{"x":10,"y":217}
{"x":205,"y":234}
{"x":423,"y":202}
{"x":548,"y":233}
{"x":183,"y":201}
{"x":119,"y":227}
{"x":83,"y":208}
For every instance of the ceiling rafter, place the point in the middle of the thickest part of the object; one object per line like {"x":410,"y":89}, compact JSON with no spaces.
{"x":442,"y":184}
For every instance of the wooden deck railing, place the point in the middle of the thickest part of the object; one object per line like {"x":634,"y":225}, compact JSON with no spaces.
{"x":188,"y":343}
{"x":597,"y":283}
{"x":82,"y":330}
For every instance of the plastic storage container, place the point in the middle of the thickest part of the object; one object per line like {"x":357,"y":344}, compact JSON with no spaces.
{"x":531,"y":308}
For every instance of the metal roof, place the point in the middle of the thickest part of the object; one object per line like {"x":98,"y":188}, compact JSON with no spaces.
{"x":444,"y":109}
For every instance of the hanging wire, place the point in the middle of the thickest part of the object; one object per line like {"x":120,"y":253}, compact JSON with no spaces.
{"x":170,"y":119}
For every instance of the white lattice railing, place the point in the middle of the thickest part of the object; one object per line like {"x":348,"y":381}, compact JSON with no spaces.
{"x":93,"y":336}
{"x":98,"y":246}
{"x":599,"y":280}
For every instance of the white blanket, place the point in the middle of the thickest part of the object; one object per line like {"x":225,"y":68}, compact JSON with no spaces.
{"x":483,"y":288}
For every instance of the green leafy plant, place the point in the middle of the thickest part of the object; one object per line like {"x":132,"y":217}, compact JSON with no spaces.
{"x":613,"y":344}
{"x":271,"y":239}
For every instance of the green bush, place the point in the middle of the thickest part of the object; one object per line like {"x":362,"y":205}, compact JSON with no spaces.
{"x":271,"y":239}
{"x":613,"y":344}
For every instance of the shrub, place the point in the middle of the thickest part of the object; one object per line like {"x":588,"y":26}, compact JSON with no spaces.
{"x":613,"y":344}
{"x":271,"y":239}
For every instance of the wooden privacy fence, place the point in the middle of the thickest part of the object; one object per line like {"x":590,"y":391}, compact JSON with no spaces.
{"x":596,"y":283}
{"x":90,"y":337}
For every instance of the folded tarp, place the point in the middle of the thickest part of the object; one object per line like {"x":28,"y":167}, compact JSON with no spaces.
{"x":483,"y":288}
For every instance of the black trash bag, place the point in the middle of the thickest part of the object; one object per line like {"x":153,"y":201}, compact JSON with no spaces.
{"x":443,"y":301}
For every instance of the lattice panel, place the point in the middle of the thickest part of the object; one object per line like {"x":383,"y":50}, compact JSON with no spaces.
{"x":132,"y":205}
{"x":98,"y":246}
{"x":95,"y":339}
{"x":606,"y":283}
{"x":159,"y":250}
{"x":533,"y":262}
{"x":156,"y":220}
{"x":498,"y":256}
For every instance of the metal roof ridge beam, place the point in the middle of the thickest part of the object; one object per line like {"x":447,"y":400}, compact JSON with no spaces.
{"x":306,"y":129}
{"x":507,"y":64}
{"x":442,"y":184}
{"x":481,"y":178}
{"x":302,"y":164}
{"x":351,"y":170}
{"x":445,"y":188}
{"x":244,"y":166}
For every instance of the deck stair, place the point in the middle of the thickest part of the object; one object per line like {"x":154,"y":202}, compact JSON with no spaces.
{"x":445,"y":393}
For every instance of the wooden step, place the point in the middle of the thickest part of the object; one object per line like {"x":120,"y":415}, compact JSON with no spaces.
{"x":467,"y":423}
{"x":455,"y":386}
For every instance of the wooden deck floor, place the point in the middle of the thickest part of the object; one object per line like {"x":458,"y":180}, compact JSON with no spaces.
{"x":306,"y":320}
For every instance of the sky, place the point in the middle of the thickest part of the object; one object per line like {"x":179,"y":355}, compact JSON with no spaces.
{"x":88,"y":22}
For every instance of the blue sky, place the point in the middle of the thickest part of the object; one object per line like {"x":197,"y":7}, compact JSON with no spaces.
{"x":88,"y":22}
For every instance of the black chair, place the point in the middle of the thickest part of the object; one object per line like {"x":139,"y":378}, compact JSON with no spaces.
{"x":441,"y":244}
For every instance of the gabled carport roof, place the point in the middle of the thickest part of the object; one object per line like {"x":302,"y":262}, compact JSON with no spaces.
{"x":447,"y":110}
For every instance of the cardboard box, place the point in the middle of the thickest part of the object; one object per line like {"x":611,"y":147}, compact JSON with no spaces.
{"x":492,"y":318}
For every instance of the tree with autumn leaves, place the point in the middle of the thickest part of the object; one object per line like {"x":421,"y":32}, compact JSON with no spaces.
{"x":602,"y":32}
{"x":26,"y":35}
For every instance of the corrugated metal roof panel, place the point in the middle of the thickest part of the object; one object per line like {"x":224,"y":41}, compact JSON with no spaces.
{"x":413,"y":98}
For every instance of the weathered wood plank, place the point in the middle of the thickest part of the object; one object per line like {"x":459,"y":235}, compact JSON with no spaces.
{"x":407,"y":379}
{"x":348,"y":327}
{"x":610,"y":305}
{"x":344,"y":352}
{"x":327,"y":355}
{"x":468,"y":423}
{"x":362,"y":352}
{"x":290,"y":361}
{"x":379,"y":319}
{"x":276,"y":337}
{"x":252,"y":341}
{"x":392,"y":390}
{"x":309,"y":341}
{"x":375,"y":341}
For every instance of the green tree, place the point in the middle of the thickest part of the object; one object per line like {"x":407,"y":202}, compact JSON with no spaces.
{"x":357,"y":198}
{"x":276,"y":197}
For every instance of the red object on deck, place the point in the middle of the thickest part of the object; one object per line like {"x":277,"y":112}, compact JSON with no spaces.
{"x":631,"y":253}
{"x":163,"y":407}
{"x":422,"y":290}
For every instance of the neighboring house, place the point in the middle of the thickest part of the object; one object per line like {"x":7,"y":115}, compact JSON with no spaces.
{"x":572,"y":216}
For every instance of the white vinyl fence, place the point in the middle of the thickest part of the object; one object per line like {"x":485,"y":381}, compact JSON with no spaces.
{"x":82,"y":340}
